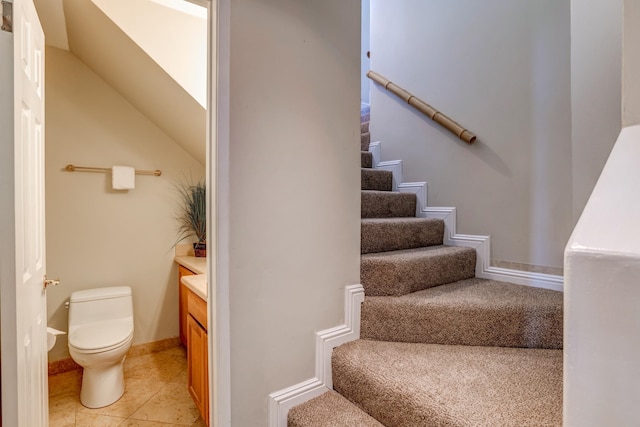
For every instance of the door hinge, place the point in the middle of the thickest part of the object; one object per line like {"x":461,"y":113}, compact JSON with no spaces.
{"x":7,"y":16}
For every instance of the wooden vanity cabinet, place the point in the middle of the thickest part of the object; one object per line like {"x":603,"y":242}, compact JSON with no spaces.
{"x":197,"y":353}
{"x":182,"y":302}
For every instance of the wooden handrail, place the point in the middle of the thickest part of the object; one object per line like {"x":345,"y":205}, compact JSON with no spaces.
{"x":424,"y":108}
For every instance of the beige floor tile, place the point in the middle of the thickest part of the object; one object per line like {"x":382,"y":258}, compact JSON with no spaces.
{"x":180,"y":354}
{"x":177,"y":351}
{"x":160,"y":367}
{"x":68,"y":402}
{"x":136,"y":393}
{"x":181,"y":376}
{"x":172,"y":404}
{"x":155,"y":396}
{"x":199,"y":423}
{"x":62,"y":419}
{"x":141,"y":423}
{"x":95,"y":420}
{"x":65,"y":382}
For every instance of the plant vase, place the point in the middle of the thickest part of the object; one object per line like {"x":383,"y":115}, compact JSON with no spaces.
{"x":200,"y":250}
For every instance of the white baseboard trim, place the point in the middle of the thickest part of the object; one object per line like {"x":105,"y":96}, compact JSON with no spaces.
{"x":525,"y":278}
{"x":280,"y":402}
{"x":482,"y":244}
{"x":374,"y":149}
{"x":395,"y":167}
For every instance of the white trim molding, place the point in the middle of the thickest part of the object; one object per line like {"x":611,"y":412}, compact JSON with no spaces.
{"x":374,"y":149}
{"x":395,"y":167}
{"x":482,"y":244}
{"x":280,"y":402}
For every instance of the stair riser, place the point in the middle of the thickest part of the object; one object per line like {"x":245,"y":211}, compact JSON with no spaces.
{"x":382,"y":237}
{"x":384,"y":320}
{"x":387,"y":205}
{"x":376,"y":179}
{"x":364,"y":127}
{"x":365,"y":140}
{"x":366,"y":159}
{"x":385,"y":277}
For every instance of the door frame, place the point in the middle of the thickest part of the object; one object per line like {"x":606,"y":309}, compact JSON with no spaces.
{"x":8,"y":346}
{"x":218,"y":161}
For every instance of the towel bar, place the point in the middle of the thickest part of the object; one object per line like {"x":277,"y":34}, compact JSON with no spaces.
{"x":73,"y":168}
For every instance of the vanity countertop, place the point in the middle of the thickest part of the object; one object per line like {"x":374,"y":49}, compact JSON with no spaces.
{"x":197,"y":283}
{"x":195,"y":264}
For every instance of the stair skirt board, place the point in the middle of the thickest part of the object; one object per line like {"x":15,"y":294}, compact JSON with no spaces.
{"x":280,"y":402}
{"x":482,"y":244}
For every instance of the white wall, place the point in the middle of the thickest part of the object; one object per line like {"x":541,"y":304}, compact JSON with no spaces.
{"x":502,"y":69}
{"x":631,"y":64}
{"x":596,"y":87}
{"x":602,"y":296}
{"x":365,"y":24}
{"x":96,"y":236}
{"x":294,"y":189}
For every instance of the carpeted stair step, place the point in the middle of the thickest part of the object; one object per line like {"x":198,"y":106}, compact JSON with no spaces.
{"x":376,"y":179}
{"x":410,"y":270}
{"x":364,"y":127}
{"x":329,"y":410}
{"x":393,"y":234}
{"x":366,"y":159}
{"x":365,"y":140}
{"x":365,"y":116}
{"x":405,"y":384}
{"x":475,"y":312}
{"x":387,"y":204}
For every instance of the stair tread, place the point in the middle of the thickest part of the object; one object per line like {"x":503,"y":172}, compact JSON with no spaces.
{"x":468,"y":312}
{"x":390,"y":193}
{"x":437,"y":385}
{"x":409,"y":270}
{"x":329,"y":410}
{"x":392,"y":234}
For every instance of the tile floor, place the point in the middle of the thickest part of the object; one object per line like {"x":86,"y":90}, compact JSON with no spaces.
{"x":155,"y":396}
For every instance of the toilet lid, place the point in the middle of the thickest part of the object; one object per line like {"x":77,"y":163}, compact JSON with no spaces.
{"x":101,"y":335}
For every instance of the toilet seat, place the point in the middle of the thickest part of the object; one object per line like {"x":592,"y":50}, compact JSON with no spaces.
{"x":101,"y":336}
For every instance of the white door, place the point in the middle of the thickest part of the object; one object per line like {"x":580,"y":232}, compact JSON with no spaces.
{"x":22,"y":234}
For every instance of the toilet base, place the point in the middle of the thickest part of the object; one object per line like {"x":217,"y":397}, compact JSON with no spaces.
{"x":102,"y":384}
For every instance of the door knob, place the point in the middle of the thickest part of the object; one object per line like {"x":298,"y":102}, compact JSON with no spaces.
{"x":50,"y":282}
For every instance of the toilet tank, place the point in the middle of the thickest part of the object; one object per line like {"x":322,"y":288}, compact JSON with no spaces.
{"x":100,"y":304}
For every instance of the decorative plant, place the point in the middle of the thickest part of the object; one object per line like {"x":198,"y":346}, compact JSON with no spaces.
{"x":192,"y":219}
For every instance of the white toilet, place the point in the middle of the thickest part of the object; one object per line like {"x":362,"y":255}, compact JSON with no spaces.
{"x":100,"y":334}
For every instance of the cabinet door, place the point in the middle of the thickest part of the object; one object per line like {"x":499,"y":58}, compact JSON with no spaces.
{"x":197,"y":366}
{"x":182,"y":301}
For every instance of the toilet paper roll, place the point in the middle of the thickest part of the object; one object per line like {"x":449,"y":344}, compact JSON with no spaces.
{"x":51,"y":337}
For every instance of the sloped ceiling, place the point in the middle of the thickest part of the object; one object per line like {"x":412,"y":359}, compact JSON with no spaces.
{"x":51,"y":17}
{"x":98,"y":42}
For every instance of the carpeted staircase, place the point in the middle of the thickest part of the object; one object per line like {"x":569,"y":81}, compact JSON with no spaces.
{"x":438,"y":347}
